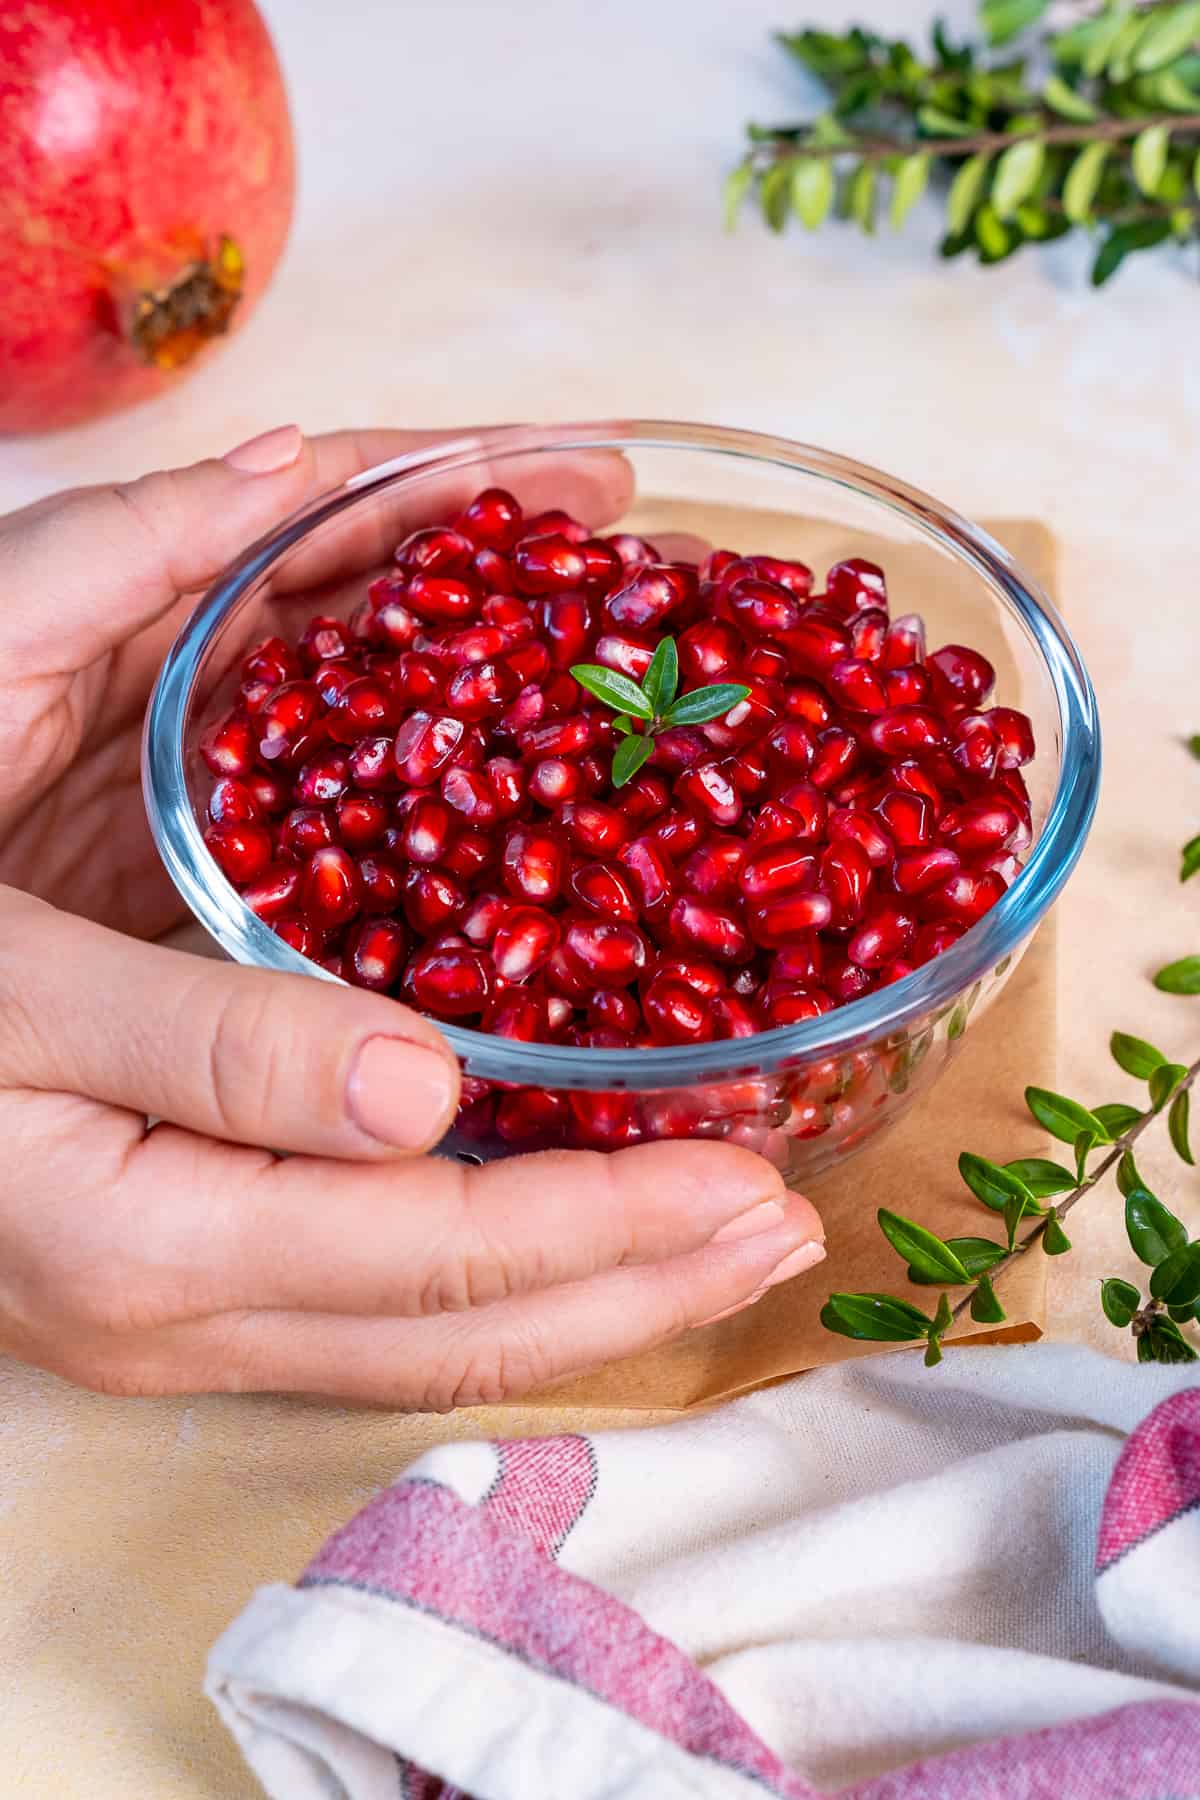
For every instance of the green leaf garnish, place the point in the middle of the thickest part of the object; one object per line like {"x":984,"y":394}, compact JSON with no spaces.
{"x":879,"y":1318}
{"x":1177,"y":1278}
{"x":616,"y":690}
{"x":1163,"y":1083}
{"x":1135,"y":1055}
{"x":1177,"y":1126}
{"x":1063,"y":1118}
{"x":920,"y":1248}
{"x":662,"y":677}
{"x":705,"y":703}
{"x":630,"y":754}
{"x":1116,"y":1117}
{"x":1055,"y":1241}
{"x":1042,"y":1177}
{"x":1152,"y":1228}
{"x":985,"y":1307}
{"x":997,"y":1188}
{"x":1119,"y":1300}
{"x":1182,"y":977}
{"x":977,"y":1256}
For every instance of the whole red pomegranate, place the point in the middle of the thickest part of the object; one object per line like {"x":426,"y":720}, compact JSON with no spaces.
{"x":146,"y":183}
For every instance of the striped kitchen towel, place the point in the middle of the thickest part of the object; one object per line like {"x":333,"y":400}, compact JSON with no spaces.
{"x":981,"y":1583}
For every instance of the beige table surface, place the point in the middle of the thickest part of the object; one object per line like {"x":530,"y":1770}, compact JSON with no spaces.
{"x":509,"y":213}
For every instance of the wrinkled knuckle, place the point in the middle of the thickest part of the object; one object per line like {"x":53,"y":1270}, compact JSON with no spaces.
{"x":117,"y":1377}
{"x":501,"y":1369}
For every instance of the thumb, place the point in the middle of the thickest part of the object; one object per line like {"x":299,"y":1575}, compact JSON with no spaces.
{"x":281,"y":1061}
{"x":104,"y":562}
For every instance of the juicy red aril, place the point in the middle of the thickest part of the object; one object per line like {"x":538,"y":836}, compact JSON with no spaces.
{"x":492,"y":520}
{"x":605,"y":953}
{"x":375,"y":953}
{"x":603,"y":889}
{"x":532,"y":865}
{"x":240,"y":849}
{"x":522,"y":943}
{"x":420,"y":797}
{"x":424,"y":745}
{"x":774,"y":922}
{"x":855,"y":584}
{"x":675,"y":1012}
{"x":961,"y":676}
{"x":549,"y":564}
{"x":449,"y":983}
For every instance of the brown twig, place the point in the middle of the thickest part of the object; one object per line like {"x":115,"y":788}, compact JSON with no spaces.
{"x":874,"y":149}
{"x":1120,"y":1146}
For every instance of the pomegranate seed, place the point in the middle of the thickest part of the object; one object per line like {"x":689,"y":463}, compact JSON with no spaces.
{"x":961,"y":677}
{"x":321,"y":640}
{"x":274,"y":662}
{"x":449,"y":983}
{"x":300,"y":935}
{"x":432,"y":897}
{"x":708,"y":652}
{"x":518,"y":1015}
{"x":548,"y":564}
{"x":524,"y":940}
{"x":645,"y":797}
{"x":240,"y":849}
{"x":632,"y":550}
{"x":483,"y":918}
{"x":932,"y":940}
{"x":470,"y":796}
{"x":703,"y":977}
{"x":778,"y":870}
{"x":304,"y":830}
{"x":332,"y":887}
{"x":849,"y":822}
{"x":604,"y":567}
{"x":361,"y":821}
{"x":650,"y":873}
{"x":715,"y":931}
{"x":677,"y":834}
{"x":232,"y":802}
{"x":962,"y":898}
{"x":593,"y":826}
{"x":785,"y":916}
{"x":857,"y":686}
{"x":424,"y":745}
{"x":645,"y":601}
{"x":624,"y":651}
{"x":416,"y":680}
{"x":532,"y":1115}
{"x":442,"y":599}
{"x":561,"y":737}
{"x":909,"y":817}
{"x":733,"y":1018}
{"x":854,"y":585}
{"x":470,"y":854}
{"x":884,"y":934}
{"x":371,"y":763}
{"x":555,"y":521}
{"x":848,"y":981}
{"x":492,"y":521}
{"x":792,"y":1006}
{"x":532,"y":865}
{"x":796,"y":577}
{"x":713,"y":868}
{"x":494,"y":573}
{"x":816,"y":643}
{"x":375,"y":952}
{"x":868,"y":634}
{"x":846,"y":878}
{"x":1013,"y":730}
{"x":976,"y":746}
{"x":434,"y":550}
{"x":228,"y":747}
{"x":766,"y":664}
{"x":604,"y":952}
{"x":907,"y":686}
{"x":675,"y":1012}
{"x":979,"y":825}
{"x":762,"y":607}
{"x":707,"y":788}
{"x":806,"y":701}
{"x":903,"y":729}
{"x":905,"y":642}
{"x":917,"y":870}
{"x":603,"y":1121}
{"x":603,"y":889}
{"x":382,"y":884}
{"x":791,"y":746}
{"x":275,"y":892}
{"x":323,"y":780}
{"x":271,"y":794}
{"x":481,"y":688}
{"x":837,"y":754}
{"x":553,"y":780}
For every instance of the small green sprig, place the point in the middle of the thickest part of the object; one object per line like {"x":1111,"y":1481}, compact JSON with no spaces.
{"x":1095,"y":127}
{"x":642,"y":712}
{"x":1016,"y":1190}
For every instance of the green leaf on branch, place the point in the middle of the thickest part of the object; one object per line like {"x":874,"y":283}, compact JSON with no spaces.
{"x":993,"y":237}
{"x":1040,"y":1176}
{"x":1177,"y":1126}
{"x":1004,"y":20}
{"x":936,"y":123}
{"x":861,"y":196}
{"x":1085,"y":1143}
{"x":1120,"y":1300}
{"x":616,"y":690}
{"x":879,"y":1318}
{"x":1068,"y":104}
{"x":1183,"y":1315}
{"x":920,"y":1248}
{"x":1017,"y":174}
{"x":630,"y":754}
{"x":706,"y":703}
{"x":942,"y":1321}
{"x":1148,"y":158}
{"x":1152,"y":1228}
{"x":1163,"y":1083}
{"x":977,"y":1256}
{"x":1177,"y":1278}
{"x":1165,"y":1343}
{"x":1013,"y":1214}
{"x":965,"y":192}
{"x":997,"y":1188}
{"x":1083,"y":182}
{"x":1167,"y":35}
{"x":662,"y":677}
{"x":1116,"y":1117}
{"x":812,"y":190}
{"x":1182,"y":977}
{"x":1063,"y":1118}
{"x":775,"y":194}
{"x":737,"y":184}
{"x":1143,"y":234}
{"x":985,"y":1307}
{"x":1191,"y":859}
{"x":908,"y":186}
{"x":1135,"y":1055}
{"x":1104,"y":39}
{"x":1193,"y":742}
{"x":1055,"y":1241}
{"x":1128,"y":1177}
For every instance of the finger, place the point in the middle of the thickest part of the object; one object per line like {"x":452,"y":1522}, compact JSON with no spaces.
{"x":437,"y":1236}
{"x":280,"y":1061}
{"x":478,"y":1357}
{"x":105,"y":562}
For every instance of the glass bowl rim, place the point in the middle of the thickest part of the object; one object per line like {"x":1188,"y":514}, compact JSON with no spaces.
{"x":886,"y":1012}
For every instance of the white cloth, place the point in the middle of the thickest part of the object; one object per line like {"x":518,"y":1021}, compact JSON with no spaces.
{"x":871,"y":1564}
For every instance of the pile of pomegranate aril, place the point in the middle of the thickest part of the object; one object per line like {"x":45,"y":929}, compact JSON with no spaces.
{"x":421,"y":798}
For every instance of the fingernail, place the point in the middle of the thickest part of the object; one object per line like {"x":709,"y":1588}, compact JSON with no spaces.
{"x":399,"y":1093}
{"x":267,"y":453}
{"x":807,"y":1256}
{"x":763,"y":1217}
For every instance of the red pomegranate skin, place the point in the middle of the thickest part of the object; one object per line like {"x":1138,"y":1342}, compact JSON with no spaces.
{"x":143,"y":146}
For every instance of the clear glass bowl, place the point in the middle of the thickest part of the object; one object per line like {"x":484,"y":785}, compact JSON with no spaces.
{"x":804,"y":1095}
